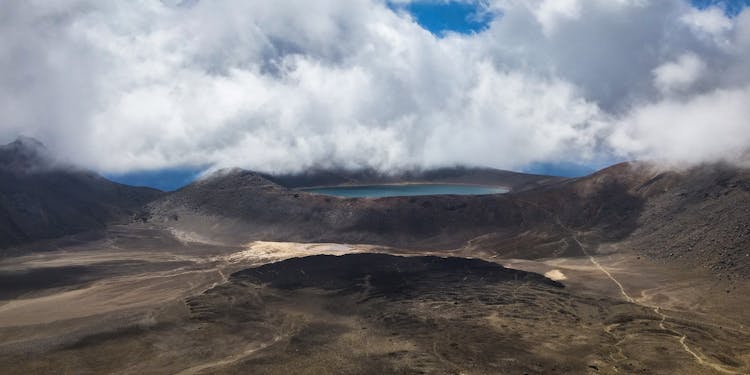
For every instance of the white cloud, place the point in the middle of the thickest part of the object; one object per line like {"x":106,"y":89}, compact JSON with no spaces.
{"x":680,"y":74}
{"x":712,"y":126}
{"x":550,"y":12}
{"x":711,"y":21}
{"x":271,"y":86}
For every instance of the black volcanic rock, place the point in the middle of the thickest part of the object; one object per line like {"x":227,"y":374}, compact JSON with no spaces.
{"x":40,"y":199}
{"x":382,"y":274}
{"x":326,"y":309}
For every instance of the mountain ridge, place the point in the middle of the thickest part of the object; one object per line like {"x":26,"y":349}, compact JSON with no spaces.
{"x":699,"y":216}
{"x":41,"y":199}
{"x":633,"y":203}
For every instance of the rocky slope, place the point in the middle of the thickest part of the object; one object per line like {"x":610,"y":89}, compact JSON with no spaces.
{"x":241,"y":206}
{"x":481,"y":176}
{"x":40,"y":199}
{"x":700,"y":215}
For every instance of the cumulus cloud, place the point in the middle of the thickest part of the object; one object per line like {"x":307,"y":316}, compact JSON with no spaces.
{"x":550,"y":12}
{"x":679,"y":74}
{"x":711,"y":21}
{"x":712,"y":126}
{"x":284,"y":86}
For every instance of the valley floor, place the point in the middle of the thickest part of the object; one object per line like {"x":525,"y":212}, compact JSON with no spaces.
{"x":143,"y":301}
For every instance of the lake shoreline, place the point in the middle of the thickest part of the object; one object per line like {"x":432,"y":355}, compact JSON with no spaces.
{"x":405,"y":189}
{"x":404,"y":184}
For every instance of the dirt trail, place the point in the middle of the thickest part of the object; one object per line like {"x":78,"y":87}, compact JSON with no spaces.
{"x":249,"y":350}
{"x":683,"y":337}
{"x":604,"y":270}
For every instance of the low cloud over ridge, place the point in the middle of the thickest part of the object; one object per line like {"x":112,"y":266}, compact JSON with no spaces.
{"x":122,"y":86}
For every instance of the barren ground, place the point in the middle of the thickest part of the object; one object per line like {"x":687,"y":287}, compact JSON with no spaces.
{"x":143,"y":301}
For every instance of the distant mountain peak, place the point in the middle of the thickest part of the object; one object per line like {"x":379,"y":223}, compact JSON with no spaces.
{"x":28,"y":142}
{"x":23,"y":154}
{"x":233,"y":178}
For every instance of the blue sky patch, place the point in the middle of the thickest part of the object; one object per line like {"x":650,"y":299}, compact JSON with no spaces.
{"x":163,"y":179}
{"x":566,"y":169}
{"x":468,"y":17}
{"x":731,"y":7}
{"x":440,"y":17}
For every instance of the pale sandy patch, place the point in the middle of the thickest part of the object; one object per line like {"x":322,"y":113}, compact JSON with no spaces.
{"x":187,"y":238}
{"x":274,"y":251}
{"x":555,"y":275}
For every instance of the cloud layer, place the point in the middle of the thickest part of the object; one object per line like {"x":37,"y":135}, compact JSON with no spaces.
{"x":283,"y":86}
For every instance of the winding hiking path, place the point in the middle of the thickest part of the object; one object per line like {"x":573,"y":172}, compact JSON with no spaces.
{"x":682,"y":337}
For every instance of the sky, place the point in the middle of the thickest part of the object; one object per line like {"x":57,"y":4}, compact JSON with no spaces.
{"x":157,"y":92}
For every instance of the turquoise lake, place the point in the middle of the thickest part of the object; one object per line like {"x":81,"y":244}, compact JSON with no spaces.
{"x":407,"y":190}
